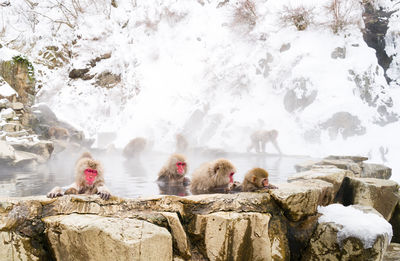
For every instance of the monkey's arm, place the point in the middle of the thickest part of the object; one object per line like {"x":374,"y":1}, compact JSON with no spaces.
{"x":103,"y":192}
{"x":60,"y":191}
{"x":235,"y":187}
{"x":55,"y":192}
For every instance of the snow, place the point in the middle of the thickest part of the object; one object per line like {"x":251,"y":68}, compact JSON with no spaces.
{"x":5,"y":89}
{"x":355,"y":223}
{"x":191,"y":67}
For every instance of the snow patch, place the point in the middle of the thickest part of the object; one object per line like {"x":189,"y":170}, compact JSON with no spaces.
{"x":365,"y":226}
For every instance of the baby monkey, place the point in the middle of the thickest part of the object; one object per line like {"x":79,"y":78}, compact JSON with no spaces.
{"x":256,"y":179}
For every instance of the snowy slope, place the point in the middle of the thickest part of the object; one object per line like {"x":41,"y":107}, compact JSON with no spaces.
{"x":212,"y":70}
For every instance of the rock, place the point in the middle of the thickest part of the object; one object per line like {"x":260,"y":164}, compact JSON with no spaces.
{"x":16,"y":247}
{"x":302,"y":197}
{"x":78,"y":73}
{"x":17,"y":106}
{"x":7,"y":153}
{"x":344,"y":123}
{"x":378,"y":193}
{"x":11,"y":127}
{"x":392,"y":252}
{"x":395,"y":222}
{"x":89,"y":237}
{"x":108,"y":79}
{"x":299,"y":96}
{"x":178,"y":234}
{"x":307,"y":165}
{"x":339,"y":52}
{"x":346,"y":239}
{"x":26,"y":160}
{"x":378,"y":171}
{"x":332,"y":175}
{"x":346,"y":164}
{"x":234,"y":236}
{"x":41,"y":148}
{"x":4,"y":103}
{"x":7,"y":114}
{"x":356,"y":159}
{"x":19,"y":74}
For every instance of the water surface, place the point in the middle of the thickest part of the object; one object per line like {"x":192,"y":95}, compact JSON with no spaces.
{"x":135,"y":178}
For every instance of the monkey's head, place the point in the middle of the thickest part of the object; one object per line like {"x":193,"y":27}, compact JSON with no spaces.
{"x":177,"y":162}
{"x":258,"y":177}
{"x":224,"y":171}
{"x":88,"y":172}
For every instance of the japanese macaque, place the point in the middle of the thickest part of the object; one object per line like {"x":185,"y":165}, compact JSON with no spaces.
{"x":260,"y":138}
{"x":89,"y":179}
{"x":134,"y":148}
{"x":58,"y":133}
{"x":256,"y":179}
{"x":181,"y":143}
{"x":174,"y":170}
{"x":213,"y":177}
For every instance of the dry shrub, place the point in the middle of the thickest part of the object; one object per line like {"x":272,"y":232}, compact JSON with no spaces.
{"x":300,"y":16}
{"x":342,"y":16}
{"x":245,"y":13}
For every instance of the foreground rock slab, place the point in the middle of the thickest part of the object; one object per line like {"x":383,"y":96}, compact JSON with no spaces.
{"x":91,"y":237}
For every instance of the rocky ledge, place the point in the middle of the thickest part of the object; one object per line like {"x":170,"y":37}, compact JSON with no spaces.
{"x":289,"y":223}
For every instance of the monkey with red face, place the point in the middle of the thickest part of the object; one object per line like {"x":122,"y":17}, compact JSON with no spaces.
{"x":213,"y":177}
{"x":256,"y":179}
{"x":89,"y":179}
{"x":174,"y":170}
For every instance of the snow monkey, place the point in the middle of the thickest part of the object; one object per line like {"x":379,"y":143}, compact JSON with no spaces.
{"x":181,"y":143}
{"x":89,"y":179}
{"x":256,"y":179}
{"x":134,"y":148}
{"x":58,"y":133}
{"x":174,"y":170}
{"x":213,"y":177}
{"x":260,"y":138}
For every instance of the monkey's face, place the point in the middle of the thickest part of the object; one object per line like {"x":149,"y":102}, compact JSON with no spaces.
{"x":181,"y":167}
{"x":264,"y":182}
{"x":90,"y":176}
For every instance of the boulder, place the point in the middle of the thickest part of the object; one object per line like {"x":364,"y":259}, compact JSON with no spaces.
{"x":392,"y":252}
{"x":377,"y":171}
{"x":7,"y":114}
{"x":332,"y":175}
{"x":237,"y":236}
{"x":7,"y":153}
{"x":346,"y":233}
{"x":41,"y":148}
{"x":179,"y":237}
{"x":378,"y":193}
{"x":301,"y":198}
{"x":90,"y":237}
{"x":16,"y":247}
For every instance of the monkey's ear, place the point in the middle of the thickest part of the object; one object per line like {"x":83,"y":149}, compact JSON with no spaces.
{"x":253,"y":179}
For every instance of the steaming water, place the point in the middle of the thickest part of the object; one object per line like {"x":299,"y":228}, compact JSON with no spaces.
{"x":134,"y":179}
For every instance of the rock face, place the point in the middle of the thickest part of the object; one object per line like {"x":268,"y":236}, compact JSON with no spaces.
{"x":90,"y":237}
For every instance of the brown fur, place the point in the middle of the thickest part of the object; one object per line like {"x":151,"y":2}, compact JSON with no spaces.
{"x":169,"y":172}
{"x":260,"y":138}
{"x":181,"y":143}
{"x":212,"y":177}
{"x":58,"y":133}
{"x":80,"y":186}
{"x":134,"y":148}
{"x":253,"y":180}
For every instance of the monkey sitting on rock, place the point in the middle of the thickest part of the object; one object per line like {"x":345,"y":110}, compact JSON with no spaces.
{"x":256,"y":179}
{"x":213,"y":177}
{"x":89,"y":179}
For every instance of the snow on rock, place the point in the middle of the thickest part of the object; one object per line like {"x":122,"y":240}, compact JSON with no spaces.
{"x":356,"y":223}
